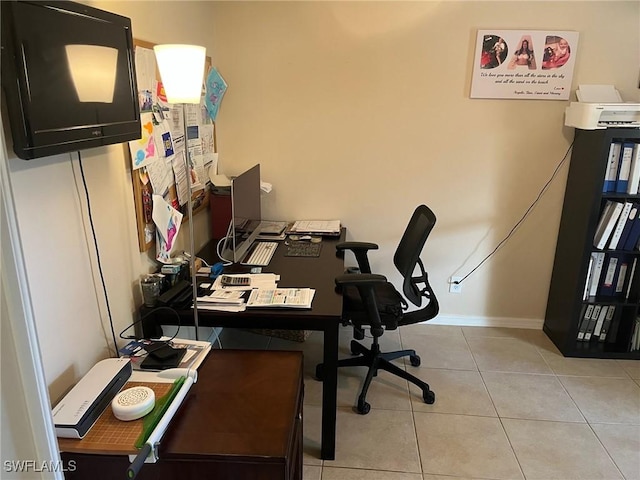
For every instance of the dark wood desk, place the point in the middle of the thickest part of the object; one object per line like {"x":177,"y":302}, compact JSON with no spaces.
{"x":325,"y":316}
{"x":242,"y":419}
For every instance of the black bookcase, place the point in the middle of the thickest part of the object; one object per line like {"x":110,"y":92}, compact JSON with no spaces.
{"x":584,"y":202}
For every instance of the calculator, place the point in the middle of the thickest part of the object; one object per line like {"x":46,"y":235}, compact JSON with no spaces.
{"x":232,"y":281}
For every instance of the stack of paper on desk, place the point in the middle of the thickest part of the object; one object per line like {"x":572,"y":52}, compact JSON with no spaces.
{"x":225,"y":300}
{"x":263,"y":293}
{"x":281,"y":297}
{"x":316,"y":227}
{"x":222,"y":308}
{"x":223,"y":297}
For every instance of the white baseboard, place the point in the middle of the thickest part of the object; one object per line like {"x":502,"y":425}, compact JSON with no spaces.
{"x":505,"y":322}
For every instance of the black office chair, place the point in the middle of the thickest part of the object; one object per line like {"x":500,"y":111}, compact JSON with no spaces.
{"x":368,"y":299}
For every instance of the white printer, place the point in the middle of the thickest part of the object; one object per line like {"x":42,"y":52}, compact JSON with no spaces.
{"x":601,"y":106}
{"x":76,"y":413}
{"x":592,"y":116}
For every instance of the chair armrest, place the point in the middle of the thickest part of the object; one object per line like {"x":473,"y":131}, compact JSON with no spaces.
{"x":360,"y":250}
{"x":356,"y":246}
{"x":359,"y":279}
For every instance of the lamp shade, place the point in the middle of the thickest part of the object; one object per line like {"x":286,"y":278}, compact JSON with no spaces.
{"x":181,"y":69}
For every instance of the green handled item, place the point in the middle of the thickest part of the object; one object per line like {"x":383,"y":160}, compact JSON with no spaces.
{"x":149,"y":423}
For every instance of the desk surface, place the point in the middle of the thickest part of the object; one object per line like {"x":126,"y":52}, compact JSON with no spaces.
{"x":302,"y":272}
{"x":318,"y":273}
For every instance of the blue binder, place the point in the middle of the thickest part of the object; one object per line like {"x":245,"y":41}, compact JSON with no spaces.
{"x":613,"y":164}
{"x":633,"y":214}
{"x":634,"y":234}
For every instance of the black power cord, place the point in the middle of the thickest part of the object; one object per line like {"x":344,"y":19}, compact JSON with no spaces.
{"x":95,"y":242}
{"x":522,"y":219}
{"x":148,"y":314}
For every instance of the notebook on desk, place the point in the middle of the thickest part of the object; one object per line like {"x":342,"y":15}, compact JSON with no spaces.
{"x":329,"y":228}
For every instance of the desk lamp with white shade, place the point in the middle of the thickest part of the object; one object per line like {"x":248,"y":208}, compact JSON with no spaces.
{"x":182,"y":69}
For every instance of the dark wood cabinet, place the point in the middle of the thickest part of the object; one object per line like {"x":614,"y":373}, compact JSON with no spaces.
{"x":569,"y":300}
{"x":242,"y":419}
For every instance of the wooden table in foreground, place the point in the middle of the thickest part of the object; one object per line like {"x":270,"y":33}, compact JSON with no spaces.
{"x":242,"y":419}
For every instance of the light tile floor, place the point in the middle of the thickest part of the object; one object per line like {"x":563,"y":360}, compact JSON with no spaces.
{"x":508,"y":406}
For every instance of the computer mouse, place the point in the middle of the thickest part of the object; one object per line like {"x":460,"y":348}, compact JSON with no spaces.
{"x":305,"y":237}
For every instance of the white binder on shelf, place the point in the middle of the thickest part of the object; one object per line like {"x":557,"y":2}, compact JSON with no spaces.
{"x":622,"y":182}
{"x":608,"y":219}
{"x":612,"y":167}
{"x":620,"y":224}
{"x":598,"y":263}
{"x":634,"y":173}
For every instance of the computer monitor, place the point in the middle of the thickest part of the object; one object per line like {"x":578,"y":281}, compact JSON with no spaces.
{"x":246,"y":215}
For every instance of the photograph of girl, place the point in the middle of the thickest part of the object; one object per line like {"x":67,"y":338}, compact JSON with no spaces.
{"x":494,"y":51}
{"x":556,"y":52}
{"x":523,"y":55}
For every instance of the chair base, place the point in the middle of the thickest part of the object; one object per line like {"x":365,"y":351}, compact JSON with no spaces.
{"x":376,"y":360}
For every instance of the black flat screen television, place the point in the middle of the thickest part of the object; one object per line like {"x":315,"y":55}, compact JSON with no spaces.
{"x":68,"y":77}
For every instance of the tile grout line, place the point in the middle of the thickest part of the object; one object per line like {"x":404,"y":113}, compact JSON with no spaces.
{"x":588,"y":423}
{"x":504,"y":430}
{"x":604,"y":447}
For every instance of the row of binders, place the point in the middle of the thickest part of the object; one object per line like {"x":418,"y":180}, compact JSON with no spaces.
{"x":610,"y":275}
{"x":623,"y":168}
{"x":598,"y":322}
{"x":618,"y":227}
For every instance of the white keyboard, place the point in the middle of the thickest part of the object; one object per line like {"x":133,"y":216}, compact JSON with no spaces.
{"x":262,"y":253}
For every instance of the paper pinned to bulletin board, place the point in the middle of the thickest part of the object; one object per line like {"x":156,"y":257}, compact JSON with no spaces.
{"x":167,"y":220}
{"x":524,"y":64}
{"x":158,"y":158}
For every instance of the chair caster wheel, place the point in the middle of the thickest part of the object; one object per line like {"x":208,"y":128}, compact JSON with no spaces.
{"x":319,"y":372}
{"x":429,"y":397}
{"x":363,"y":408}
{"x":415,"y":360}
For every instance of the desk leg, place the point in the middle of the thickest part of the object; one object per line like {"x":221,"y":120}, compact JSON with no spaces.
{"x":329,"y":392}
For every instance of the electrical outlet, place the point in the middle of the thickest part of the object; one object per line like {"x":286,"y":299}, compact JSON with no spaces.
{"x":453,"y":286}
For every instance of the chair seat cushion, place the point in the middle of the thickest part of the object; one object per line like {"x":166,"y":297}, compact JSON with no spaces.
{"x":390,"y":305}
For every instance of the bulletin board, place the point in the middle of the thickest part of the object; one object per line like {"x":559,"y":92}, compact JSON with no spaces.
{"x":142,"y":176}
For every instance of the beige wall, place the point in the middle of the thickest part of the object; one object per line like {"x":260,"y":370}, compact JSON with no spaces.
{"x":357,"y":111}
{"x":361,"y":111}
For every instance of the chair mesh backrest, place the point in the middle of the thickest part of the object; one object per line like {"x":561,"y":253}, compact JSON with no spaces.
{"x":410,"y":247}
